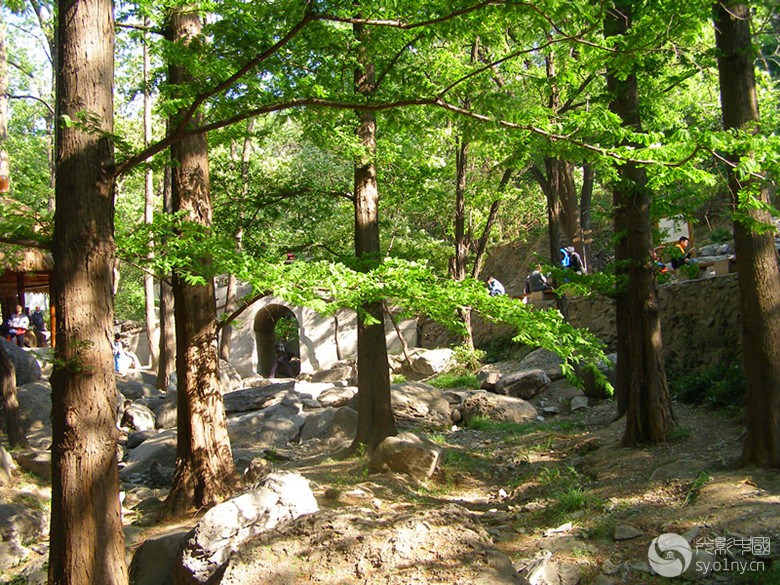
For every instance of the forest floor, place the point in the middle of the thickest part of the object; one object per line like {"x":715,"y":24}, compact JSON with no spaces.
{"x":566,"y":486}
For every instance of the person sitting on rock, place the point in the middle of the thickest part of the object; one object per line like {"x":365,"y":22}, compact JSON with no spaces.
{"x":678,"y":253}
{"x":18,"y":324}
{"x":495,"y":288}
{"x":536,"y":281}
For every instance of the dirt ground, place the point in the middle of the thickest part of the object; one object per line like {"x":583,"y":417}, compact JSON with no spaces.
{"x":566,"y":486}
{"x":565,"y":491}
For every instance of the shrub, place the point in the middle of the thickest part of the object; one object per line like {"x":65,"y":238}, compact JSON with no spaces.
{"x":721,"y":386}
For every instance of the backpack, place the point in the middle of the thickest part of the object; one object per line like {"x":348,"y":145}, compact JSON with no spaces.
{"x":565,"y":258}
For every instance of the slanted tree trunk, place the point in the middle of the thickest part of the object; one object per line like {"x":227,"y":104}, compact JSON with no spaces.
{"x":205,"y":473}
{"x":759,"y":281}
{"x":375,"y":412}
{"x":87,"y":545}
{"x":167,"y":361}
{"x":649,"y":412}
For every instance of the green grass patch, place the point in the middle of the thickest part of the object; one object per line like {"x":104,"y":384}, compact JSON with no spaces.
{"x":483,"y":423}
{"x":679,"y":433}
{"x":455,"y":380}
{"x":398,"y":379}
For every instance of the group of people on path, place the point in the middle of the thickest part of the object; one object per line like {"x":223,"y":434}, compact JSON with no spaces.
{"x":21,"y":321}
{"x":537,"y":281}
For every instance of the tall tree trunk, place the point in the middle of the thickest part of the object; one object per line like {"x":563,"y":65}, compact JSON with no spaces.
{"x":230,"y":292}
{"x":759,"y":281}
{"x":375,"y":412}
{"x":86,"y":542}
{"x":205,"y":473}
{"x":167,"y":361}
{"x":649,"y":412}
{"x":13,"y":422}
{"x":586,"y":197}
{"x":461,"y":238}
{"x":152,"y":331}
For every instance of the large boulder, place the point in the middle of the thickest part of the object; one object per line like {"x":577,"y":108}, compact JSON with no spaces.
{"x":35,"y":413}
{"x":525,"y":384}
{"x":335,"y":374}
{"x":252,"y":399}
{"x":159,"y":450}
{"x":137,"y":417}
{"x":154,"y":560}
{"x":420,"y":402}
{"x":433,"y":361}
{"x":407,"y":454}
{"x":337,"y":396}
{"x":282,"y":497}
{"x":498,"y":408}
{"x":361,"y":545}
{"x":274,"y":426}
{"x":330,"y":423}
{"x":26,"y":366}
{"x":133,"y":389}
{"x":543,"y":359}
{"x":165,"y":411}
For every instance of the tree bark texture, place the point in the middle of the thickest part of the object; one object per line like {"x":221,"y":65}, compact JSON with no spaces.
{"x":759,"y":280}
{"x":87,"y":545}
{"x":375,"y":414}
{"x":205,"y":473}
{"x":167,"y":360}
{"x":646,"y":394}
{"x":13,"y":422}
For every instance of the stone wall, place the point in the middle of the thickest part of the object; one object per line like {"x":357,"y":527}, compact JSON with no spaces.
{"x":699,"y":322}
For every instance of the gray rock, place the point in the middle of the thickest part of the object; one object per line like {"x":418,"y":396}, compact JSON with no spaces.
{"x":488,"y":379}
{"x":627,"y":532}
{"x":578,"y":403}
{"x":333,"y":374}
{"x":11,"y":554}
{"x":366,"y":546}
{"x":36,"y":462}
{"x":682,"y":469}
{"x":136,"y":438}
{"x":138,"y":418}
{"x":252,"y":399}
{"x":330,"y":423}
{"x":432,"y":361}
{"x":35,"y":413}
{"x":223,"y":529}
{"x":497,"y":407}
{"x":165,"y":412}
{"x":154,"y":560}
{"x":21,"y":524}
{"x":7,"y":466}
{"x":407,"y":454}
{"x":133,"y":389}
{"x":420,"y":402}
{"x":525,"y":384}
{"x":160,"y":449}
{"x":337,"y":396}
{"x":27,"y":368}
{"x":274,"y":426}
{"x":545,"y":360}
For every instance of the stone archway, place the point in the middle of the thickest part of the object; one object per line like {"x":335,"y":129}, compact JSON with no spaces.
{"x":267,"y":322}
